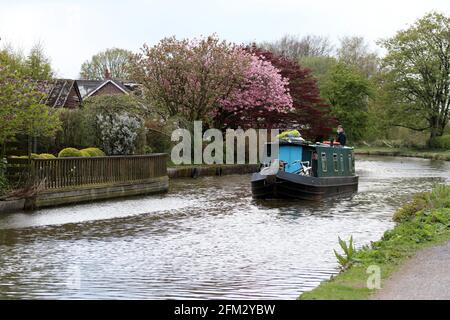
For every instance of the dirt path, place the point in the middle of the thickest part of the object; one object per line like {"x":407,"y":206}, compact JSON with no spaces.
{"x":425,"y":276}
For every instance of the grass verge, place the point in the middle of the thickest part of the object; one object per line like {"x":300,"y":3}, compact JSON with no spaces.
{"x":423,"y":222}
{"x":437,"y":154}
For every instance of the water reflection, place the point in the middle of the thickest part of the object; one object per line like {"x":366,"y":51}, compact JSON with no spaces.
{"x":206,"y":239}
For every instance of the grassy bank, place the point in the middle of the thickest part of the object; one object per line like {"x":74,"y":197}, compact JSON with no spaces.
{"x":423,"y":222}
{"x":438,"y":154}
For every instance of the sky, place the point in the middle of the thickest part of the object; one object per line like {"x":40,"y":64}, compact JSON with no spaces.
{"x":72,"y":31}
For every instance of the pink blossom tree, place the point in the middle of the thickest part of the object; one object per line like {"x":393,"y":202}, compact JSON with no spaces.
{"x":184,"y":80}
{"x":258,"y":100}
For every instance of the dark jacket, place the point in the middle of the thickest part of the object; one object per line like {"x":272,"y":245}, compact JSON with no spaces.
{"x":341,"y":138}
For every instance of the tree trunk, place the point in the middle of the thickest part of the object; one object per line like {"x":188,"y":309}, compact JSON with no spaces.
{"x":30,"y":146}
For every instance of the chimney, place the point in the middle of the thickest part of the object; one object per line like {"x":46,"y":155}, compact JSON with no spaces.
{"x":107,"y":74}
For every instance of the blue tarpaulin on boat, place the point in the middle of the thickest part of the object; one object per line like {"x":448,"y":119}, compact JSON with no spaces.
{"x":290,"y":154}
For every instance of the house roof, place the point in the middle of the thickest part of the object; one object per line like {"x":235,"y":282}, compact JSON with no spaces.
{"x":89,"y":87}
{"x":57,"y":91}
{"x":119,"y":86}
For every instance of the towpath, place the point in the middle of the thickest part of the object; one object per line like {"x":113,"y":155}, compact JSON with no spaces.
{"x":425,"y":276}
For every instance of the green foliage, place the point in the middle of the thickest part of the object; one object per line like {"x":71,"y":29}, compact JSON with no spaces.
{"x":36,"y":156}
{"x":417,"y":74}
{"x":73,"y":152}
{"x":442,"y":142}
{"x":40,"y":121}
{"x":46,"y":156}
{"x":320,"y":66}
{"x":158,"y":142}
{"x":93,"y":152}
{"x":289,"y":133}
{"x":346,"y":260}
{"x":398,"y":137}
{"x":4,"y":185}
{"x":84,"y":153}
{"x":115,"y":60}
{"x":348,"y":91}
{"x":148,"y":150}
{"x":409,"y":210}
{"x":86,"y":127}
{"x":76,"y":129}
{"x":116,"y":123}
{"x":438,"y":198}
{"x":37,"y":65}
{"x":21,"y":110}
{"x":419,"y":229}
{"x":69,"y":152}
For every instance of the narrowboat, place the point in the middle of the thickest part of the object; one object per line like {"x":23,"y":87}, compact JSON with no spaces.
{"x":307,"y":171}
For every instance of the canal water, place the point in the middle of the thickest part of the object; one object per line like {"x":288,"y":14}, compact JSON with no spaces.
{"x":206,"y":238}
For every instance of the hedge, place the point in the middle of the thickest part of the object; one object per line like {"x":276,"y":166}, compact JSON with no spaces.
{"x":442,"y":142}
{"x":69,"y":152}
{"x":93,"y":152}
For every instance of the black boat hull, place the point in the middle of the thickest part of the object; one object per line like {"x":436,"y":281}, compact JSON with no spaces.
{"x":289,"y":185}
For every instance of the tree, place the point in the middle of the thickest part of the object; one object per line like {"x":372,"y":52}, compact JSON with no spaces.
{"x":310,"y":114}
{"x":37,"y":65}
{"x":11,"y":58}
{"x":11,"y":98}
{"x":263,"y":93}
{"x":115,"y":61}
{"x":21,"y":111}
{"x":355,"y":52}
{"x":294,"y":47}
{"x":348,"y":93}
{"x":38,"y":120}
{"x":417,"y":72}
{"x":319,"y":66}
{"x":186,"y":79}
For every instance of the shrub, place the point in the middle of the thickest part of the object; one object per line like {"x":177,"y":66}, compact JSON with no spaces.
{"x":409,"y":210}
{"x":76,"y":129}
{"x":69,"y":152}
{"x":94,"y":152}
{"x":116,"y":122}
{"x":157,"y":142}
{"x":84,"y":153}
{"x":3,"y":181}
{"x":119,"y":132}
{"x":442,"y":142}
{"x":437,"y":198}
{"x":46,"y":156}
{"x":148,"y":150}
{"x":348,"y":258}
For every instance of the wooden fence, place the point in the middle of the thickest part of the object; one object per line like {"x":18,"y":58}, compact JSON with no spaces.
{"x":18,"y":171}
{"x":84,"y":171}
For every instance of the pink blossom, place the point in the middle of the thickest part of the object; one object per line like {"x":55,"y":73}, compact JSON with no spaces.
{"x":264,"y":91}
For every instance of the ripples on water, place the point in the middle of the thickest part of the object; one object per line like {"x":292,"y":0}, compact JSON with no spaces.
{"x":207,"y":238}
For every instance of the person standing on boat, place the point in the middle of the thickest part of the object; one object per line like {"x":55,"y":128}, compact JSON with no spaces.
{"x":341,"y":138}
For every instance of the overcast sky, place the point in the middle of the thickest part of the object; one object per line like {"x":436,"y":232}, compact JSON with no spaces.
{"x":72,"y":31}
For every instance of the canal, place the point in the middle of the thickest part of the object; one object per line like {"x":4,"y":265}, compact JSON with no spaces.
{"x":206,"y":238}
